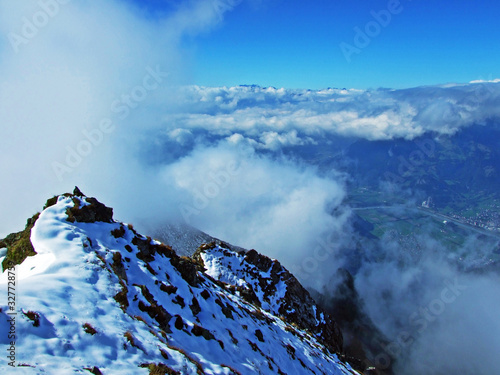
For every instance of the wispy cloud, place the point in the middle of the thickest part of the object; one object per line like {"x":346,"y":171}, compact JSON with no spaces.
{"x":436,"y":316}
{"x":76,"y":63}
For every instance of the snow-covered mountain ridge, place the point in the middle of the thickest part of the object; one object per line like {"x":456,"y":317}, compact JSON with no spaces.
{"x":97,"y":297}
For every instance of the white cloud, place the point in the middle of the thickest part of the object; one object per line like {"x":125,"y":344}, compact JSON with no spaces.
{"x":375,"y":115}
{"x":275,"y":206}
{"x":438,"y":317}
{"x":181,"y":136}
{"x":69,"y":73}
{"x":275,"y":141}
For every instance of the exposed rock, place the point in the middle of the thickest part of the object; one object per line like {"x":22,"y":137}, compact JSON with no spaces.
{"x":262,"y":262}
{"x":33,"y":316}
{"x":168,"y":288}
{"x":259,"y":335}
{"x":94,"y":370}
{"x":121,"y":298}
{"x":226,"y":310}
{"x":154,"y":310}
{"x":297,"y":307}
{"x":18,"y":245}
{"x":77,"y":192}
{"x":179,"y":323}
{"x":187,"y":268}
{"x":362,"y":338}
{"x":148,"y":249}
{"x":200,"y":331}
{"x":195,"y":306}
{"x":120,"y":232}
{"x":118,"y":267}
{"x":89,"y":213}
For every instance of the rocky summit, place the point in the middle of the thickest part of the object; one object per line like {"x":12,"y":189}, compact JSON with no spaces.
{"x":92,"y":295}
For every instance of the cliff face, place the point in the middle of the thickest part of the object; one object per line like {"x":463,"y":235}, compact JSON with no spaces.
{"x":94,"y":295}
{"x":273,"y":288}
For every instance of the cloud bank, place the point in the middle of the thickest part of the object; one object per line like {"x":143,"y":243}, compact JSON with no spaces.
{"x":437,"y":313}
{"x":77,"y":84}
{"x":269,"y":117}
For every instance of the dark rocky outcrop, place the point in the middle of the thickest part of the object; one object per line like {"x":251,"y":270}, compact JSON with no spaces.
{"x":363,"y":339}
{"x":18,"y":245}
{"x":90,"y":213}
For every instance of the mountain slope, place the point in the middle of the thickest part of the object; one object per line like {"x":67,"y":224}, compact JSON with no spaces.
{"x":100,"y":298}
{"x":184,"y":238}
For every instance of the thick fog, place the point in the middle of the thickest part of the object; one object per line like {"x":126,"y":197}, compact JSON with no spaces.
{"x":438,"y":309}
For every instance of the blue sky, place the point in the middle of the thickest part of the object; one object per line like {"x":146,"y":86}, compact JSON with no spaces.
{"x":296,"y":44}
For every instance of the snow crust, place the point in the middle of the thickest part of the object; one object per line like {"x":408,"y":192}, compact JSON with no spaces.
{"x":72,"y":282}
{"x":230,"y":267}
